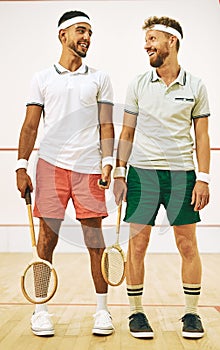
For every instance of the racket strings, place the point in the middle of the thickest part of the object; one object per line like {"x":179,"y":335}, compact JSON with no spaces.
{"x":114,"y":266}
{"x":41,"y":274}
{"x":39,"y":282}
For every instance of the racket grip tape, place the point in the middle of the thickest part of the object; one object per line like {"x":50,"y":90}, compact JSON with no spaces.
{"x":103,"y":183}
{"x":28,"y":196}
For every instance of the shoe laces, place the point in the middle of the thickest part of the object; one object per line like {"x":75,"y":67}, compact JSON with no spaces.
{"x":43,"y":316}
{"x":140,"y":318}
{"x":191,"y":319}
{"x":102,"y":316}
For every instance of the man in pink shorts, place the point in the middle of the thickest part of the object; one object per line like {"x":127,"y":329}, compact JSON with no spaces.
{"x":75,"y":153}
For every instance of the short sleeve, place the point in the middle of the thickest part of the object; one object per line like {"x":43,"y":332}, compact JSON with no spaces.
{"x":201,"y":108}
{"x":105,"y":93}
{"x":131,"y":100}
{"x":35,"y":95}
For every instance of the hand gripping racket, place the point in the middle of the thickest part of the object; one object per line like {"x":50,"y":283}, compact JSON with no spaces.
{"x":39,"y":280}
{"x":113,"y":259}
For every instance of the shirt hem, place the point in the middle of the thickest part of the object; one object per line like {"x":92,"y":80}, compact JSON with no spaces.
{"x":86,"y":170}
{"x":157,"y":167}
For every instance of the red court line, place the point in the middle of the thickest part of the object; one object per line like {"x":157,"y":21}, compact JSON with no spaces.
{"x":11,"y":148}
{"x":108,"y":225}
{"x":36,"y":149}
{"x":56,"y":0}
{"x":110,"y":304}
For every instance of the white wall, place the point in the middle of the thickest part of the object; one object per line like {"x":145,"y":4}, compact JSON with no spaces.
{"x":28,"y":43}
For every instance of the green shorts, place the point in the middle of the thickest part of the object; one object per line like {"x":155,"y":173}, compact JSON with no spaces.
{"x":148,"y":189}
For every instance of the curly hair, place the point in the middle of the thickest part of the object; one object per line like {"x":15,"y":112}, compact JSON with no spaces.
{"x":166,"y":21}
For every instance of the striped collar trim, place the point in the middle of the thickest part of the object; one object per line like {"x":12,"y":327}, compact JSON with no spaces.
{"x":181,"y":79}
{"x":83,"y":69}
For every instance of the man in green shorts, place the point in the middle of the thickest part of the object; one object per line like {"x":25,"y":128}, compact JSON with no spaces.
{"x":161,"y":106}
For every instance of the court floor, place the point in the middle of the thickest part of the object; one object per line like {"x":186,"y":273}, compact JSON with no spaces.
{"x":74,"y":305}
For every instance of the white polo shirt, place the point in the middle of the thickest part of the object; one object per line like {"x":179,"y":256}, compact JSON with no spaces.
{"x":70,"y":105}
{"x":164,"y":119}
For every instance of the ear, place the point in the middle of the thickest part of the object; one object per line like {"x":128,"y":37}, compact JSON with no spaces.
{"x":173,"y":40}
{"x":62,"y":35}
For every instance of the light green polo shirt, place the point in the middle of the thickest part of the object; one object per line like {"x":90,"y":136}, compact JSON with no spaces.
{"x":164,"y":119}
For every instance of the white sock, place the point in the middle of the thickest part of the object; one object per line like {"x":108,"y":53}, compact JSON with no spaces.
{"x":192,"y":293}
{"x":135,"y":293}
{"x":40,"y":307}
{"x":101,"y":301}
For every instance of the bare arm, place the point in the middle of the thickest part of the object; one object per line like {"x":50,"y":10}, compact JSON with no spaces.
{"x":125,"y":145}
{"x":26,"y":144}
{"x":126,"y":139}
{"x":200,"y":195}
{"x":107,"y":137}
{"x":202,"y":144}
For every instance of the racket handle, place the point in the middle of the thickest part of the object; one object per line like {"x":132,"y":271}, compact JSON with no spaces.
{"x":103,"y":183}
{"x":30,"y":215}
{"x":27,"y":196}
{"x":118,"y":218}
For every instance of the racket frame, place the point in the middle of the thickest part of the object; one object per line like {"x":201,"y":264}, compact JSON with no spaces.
{"x":36,"y":259}
{"x":116,"y":246}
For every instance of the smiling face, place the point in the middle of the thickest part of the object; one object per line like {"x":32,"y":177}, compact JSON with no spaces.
{"x":157,"y":47}
{"x":77,"y":38}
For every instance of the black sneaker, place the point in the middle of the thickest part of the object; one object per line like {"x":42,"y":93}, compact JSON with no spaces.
{"x":192,"y":326}
{"x":139,"y":326}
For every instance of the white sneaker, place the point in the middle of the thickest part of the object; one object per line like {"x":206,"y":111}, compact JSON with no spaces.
{"x":103,"y":323}
{"x":41,"y":324}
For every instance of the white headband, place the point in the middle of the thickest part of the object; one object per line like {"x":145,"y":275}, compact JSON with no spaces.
{"x":74,"y":20}
{"x":166,"y":29}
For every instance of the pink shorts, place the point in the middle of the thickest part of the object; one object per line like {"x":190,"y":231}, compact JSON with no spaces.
{"x":55,"y":186}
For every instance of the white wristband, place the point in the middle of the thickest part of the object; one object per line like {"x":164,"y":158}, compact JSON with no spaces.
{"x":119,"y":171}
{"x":203,"y":177}
{"x":21,"y":164}
{"x":107,"y":161}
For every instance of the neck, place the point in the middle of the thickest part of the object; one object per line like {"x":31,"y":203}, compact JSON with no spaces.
{"x":70,"y":62}
{"x":168,"y":72}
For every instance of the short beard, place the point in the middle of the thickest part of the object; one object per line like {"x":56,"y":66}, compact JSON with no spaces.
{"x":79,"y":53}
{"x":157,"y":63}
{"x":159,"y":60}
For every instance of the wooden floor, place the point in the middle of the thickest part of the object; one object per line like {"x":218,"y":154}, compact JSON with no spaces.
{"x":74,"y":304}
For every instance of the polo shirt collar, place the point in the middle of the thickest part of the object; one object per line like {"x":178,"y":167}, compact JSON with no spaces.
{"x":154,"y":76}
{"x":61,"y":70}
{"x":181,"y":79}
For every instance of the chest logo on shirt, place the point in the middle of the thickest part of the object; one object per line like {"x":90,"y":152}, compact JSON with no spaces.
{"x":184,"y":99}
